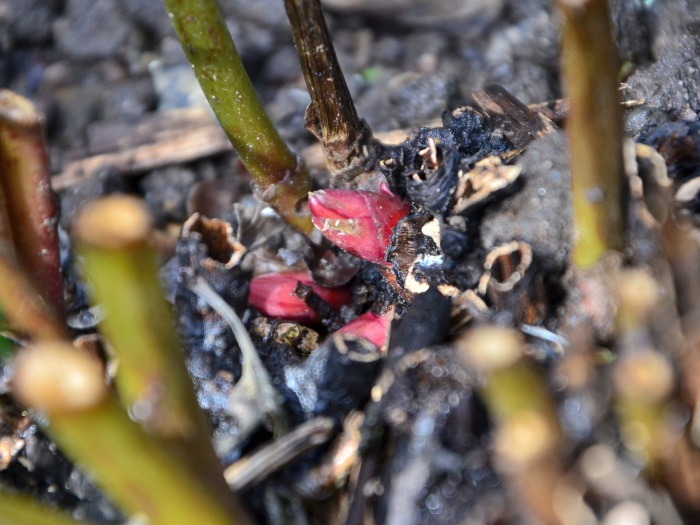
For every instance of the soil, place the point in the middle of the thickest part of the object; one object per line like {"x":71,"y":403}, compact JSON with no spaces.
{"x":98,"y":69}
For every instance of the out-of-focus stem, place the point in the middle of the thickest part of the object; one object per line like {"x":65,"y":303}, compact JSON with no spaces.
{"x":643,"y":383}
{"x":280,"y":180}
{"x":527,"y":440}
{"x":121,"y":265}
{"x":22,"y":303}
{"x":29,"y":203}
{"x":590,"y":68}
{"x":113,"y":235}
{"x":637,"y":294}
{"x":643,"y":378}
{"x":90,"y":426}
{"x":17,"y":509}
{"x":331,"y":116}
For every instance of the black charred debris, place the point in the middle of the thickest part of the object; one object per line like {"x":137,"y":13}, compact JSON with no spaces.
{"x":487,"y":241}
{"x":423,"y":426}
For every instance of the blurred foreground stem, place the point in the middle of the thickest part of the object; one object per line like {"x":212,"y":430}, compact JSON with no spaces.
{"x":87,"y":422}
{"x":528,"y":440}
{"x":22,"y":303}
{"x":643,"y":377}
{"x":152,"y":380}
{"x":590,"y":68}
{"x":279,"y":178}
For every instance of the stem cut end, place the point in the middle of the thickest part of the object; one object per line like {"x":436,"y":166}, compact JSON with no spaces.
{"x":525,"y":438}
{"x":490,"y":348}
{"x":17,"y":110}
{"x":56,"y":378}
{"x":113,"y":223}
{"x":644,"y":377}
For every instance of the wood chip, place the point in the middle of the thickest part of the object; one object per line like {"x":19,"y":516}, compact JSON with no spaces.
{"x":168,"y":138}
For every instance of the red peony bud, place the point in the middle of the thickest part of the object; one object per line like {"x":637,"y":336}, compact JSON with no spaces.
{"x":272,"y":295}
{"x":374,"y":328}
{"x":360,"y":222}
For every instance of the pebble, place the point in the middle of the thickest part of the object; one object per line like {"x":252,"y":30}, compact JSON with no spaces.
{"x":26,"y":21}
{"x":91,"y":30}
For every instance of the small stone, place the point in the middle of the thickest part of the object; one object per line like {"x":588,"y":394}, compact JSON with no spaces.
{"x":544,"y":223}
{"x":90,"y":30}
{"x":150,"y":15}
{"x":129,"y":99}
{"x":27,"y":21}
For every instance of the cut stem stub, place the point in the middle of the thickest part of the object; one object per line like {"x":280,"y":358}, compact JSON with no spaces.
{"x":85,"y":419}
{"x":29,"y":205}
{"x":346,"y":139}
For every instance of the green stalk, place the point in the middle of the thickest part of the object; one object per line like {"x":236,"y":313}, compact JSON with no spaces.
{"x":152,"y":380}
{"x":512,"y":386}
{"x":23,"y":305}
{"x":643,"y":378}
{"x":280,"y":180}
{"x":528,"y":438}
{"x":590,"y":68}
{"x":30,"y":206}
{"x":87,"y":422}
{"x":17,"y":509}
{"x":644,"y":382}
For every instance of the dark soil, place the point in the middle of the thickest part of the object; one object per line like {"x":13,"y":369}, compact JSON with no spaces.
{"x":96,"y":65}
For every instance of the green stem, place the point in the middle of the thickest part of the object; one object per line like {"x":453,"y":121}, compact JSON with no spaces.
{"x":590,"y":68}
{"x":152,"y":379}
{"x":87,"y":422}
{"x":279,"y":178}
{"x":528,"y":438}
{"x":30,"y":206}
{"x":137,"y":473}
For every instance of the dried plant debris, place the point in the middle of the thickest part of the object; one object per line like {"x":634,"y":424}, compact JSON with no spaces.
{"x":435,"y":275}
{"x":486,"y":179}
{"x":487,"y":239}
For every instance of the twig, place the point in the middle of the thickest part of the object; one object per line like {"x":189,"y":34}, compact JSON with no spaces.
{"x":265,"y":461}
{"x":346,"y":139}
{"x":190,"y":135}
